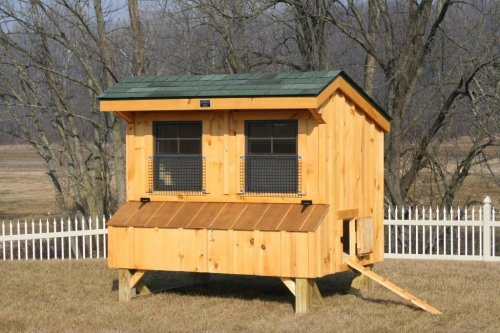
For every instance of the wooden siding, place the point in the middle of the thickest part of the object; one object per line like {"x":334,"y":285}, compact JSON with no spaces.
{"x":342,"y":167}
{"x":223,"y":143}
{"x":264,"y":253}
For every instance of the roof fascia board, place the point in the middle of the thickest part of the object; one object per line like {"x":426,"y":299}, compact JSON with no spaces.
{"x":193,"y":104}
{"x":352,"y":93}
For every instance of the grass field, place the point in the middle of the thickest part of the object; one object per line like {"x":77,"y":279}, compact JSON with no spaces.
{"x":52,"y":296}
{"x":25,"y":189}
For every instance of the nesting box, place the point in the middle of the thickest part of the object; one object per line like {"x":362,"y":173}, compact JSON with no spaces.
{"x":268,"y":174}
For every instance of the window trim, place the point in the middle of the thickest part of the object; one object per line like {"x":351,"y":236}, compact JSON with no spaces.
{"x":153,"y":169}
{"x":156,"y":124}
{"x":290,"y":121}
{"x":245,"y":186}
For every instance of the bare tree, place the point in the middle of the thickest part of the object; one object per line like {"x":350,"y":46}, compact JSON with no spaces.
{"x":54,"y":66}
{"x":403,"y":49}
{"x":433,"y":65}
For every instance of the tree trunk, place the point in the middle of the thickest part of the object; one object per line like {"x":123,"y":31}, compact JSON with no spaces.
{"x":137,"y":40}
{"x":114,"y":122}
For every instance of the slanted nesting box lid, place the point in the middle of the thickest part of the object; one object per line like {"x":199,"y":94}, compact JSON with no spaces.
{"x":220,"y":215}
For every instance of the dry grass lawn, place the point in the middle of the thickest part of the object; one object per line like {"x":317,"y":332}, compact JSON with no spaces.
{"x":79,"y":297}
{"x":26,"y":191}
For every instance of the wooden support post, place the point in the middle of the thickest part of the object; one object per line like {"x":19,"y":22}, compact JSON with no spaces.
{"x":142,"y":289}
{"x":130,"y":284}
{"x":134,"y":279}
{"x":361,"y":284}
{"x":303,"y":295}
{"x":290,"y":284}
{"x":125,"y":292}
{"x":317,"y":299}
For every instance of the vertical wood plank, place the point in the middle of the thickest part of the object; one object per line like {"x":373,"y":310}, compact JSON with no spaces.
{"x":233,"y":156}
{"x":323,"y":161}
{"x":169,"y":248}
{"x":144,"y":251}
{"x":206,"y":151}
{"x":285,"y":253}
{"x":225,"y":153}
{"x":239,"y":149}
{"x":130,"y":162}
{"x":303,"y":295}
{"x":270,"y":246}
{"x":192,"y":250}
{"x":312,"y":254}
{"x":378,"y":200}
{"x":243,"y":245}
{"x":304,"y":144}
{"x":299,"y":253}
{"x":356,"y":153}
{"x":328,"y":234}
{"x":337,"y":202}
{"x":257,"y":261}
{"x":149,"y":151}
{"x":310,"y":162}
{"x":218,"y":247}
{"x":140,"y":159}
{"x":125,"y":293}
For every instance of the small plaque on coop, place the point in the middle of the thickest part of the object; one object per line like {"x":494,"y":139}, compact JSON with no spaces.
{"x":204,"y":103}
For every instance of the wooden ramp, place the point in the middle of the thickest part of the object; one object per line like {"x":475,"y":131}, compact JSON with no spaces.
{"x":391,"y":286}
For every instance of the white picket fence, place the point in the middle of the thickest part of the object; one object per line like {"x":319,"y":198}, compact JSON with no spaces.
{"x":460,"y":234}
{"x":418,"y":233}
{"x":54,"y":239}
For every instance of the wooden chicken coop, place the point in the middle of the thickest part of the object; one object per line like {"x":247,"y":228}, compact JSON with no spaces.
{"x":261,"y":174}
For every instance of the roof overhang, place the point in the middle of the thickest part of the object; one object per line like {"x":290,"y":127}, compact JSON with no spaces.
{"x":124,"y":108}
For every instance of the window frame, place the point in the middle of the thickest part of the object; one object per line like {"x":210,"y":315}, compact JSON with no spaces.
{"x":250,"y":188}
{"x":155,"y":170}
{"x":272,"y":137}
{"x":178,"y":140}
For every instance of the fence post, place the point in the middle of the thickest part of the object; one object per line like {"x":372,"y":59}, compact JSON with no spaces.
{"x":487,"y":253}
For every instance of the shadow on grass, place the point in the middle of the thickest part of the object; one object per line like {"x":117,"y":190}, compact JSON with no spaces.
{"x":248,"y":287}
{"x":237,"y":286}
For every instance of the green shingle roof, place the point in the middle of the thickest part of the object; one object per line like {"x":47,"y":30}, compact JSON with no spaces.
{"x":225,"y":85}
{"x":293,"y":84}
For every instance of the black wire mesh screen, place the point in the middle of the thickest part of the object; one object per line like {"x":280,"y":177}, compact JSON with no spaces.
{"x":176,"y":175}
{"x":270,"y":176}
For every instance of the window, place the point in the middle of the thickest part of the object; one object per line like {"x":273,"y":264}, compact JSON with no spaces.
{"x":178,"y":138}
{"x":271,"y":163}
{"x":178,"y":164}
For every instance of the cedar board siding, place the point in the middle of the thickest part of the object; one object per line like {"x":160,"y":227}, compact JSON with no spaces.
{"x":342,"y":166}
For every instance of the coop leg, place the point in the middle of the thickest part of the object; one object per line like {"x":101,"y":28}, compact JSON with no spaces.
{"x":130,"y":284}
{"x":303,"y":295}
{"x":317,"y":299}
{"x":361,"y":284}
{"x":125,"y":292}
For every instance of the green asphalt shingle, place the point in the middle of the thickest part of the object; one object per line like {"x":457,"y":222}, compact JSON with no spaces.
{"x":290,"y":84}
{"x":222,"y":85}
